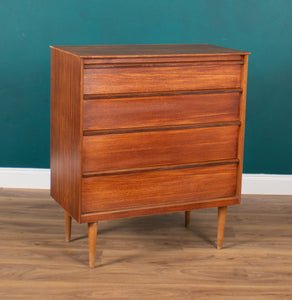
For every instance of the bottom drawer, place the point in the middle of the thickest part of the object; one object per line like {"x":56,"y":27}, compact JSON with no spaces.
{"x":153,"y":188}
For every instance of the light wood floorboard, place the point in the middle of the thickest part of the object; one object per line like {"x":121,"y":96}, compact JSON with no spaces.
{"x":153,"y":257}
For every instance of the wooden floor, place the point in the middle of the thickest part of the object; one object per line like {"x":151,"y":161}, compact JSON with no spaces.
{"x":146,"y":258}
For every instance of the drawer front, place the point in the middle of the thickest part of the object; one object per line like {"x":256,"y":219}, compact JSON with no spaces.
{"x":153,"y":188}
{"x":142,"y":149}
{"x":130,"y":112}
{"x":131,"y":79}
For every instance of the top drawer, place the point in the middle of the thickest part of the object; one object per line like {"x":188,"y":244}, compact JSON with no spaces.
{"x":116,"y":79}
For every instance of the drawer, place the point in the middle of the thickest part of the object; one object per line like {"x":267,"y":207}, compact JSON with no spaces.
{"x":142,"y":149}
{"x":167,"y":77}
{"x":127,"y":112}
{"x":153,"y":188}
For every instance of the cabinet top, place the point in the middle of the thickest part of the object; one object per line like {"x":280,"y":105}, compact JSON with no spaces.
{"x":97,"y":51}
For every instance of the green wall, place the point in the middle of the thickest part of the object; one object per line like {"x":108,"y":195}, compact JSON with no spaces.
{"x":28,"y":27}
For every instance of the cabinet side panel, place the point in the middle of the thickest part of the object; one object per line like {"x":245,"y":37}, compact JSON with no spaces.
{"x":65,"y":131}
{"x":242,"y":127}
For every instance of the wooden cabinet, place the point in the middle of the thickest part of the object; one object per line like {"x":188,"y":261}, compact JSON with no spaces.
{"x":146,"y":129}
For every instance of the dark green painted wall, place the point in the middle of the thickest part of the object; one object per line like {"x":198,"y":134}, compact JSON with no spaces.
{"x":28,"y":27}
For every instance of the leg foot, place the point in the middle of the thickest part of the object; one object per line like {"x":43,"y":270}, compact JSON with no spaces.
{"x":187,"y":218}
{"x":221,"y":224}
{"x":92,"y":234}
{"x":68,"y":222}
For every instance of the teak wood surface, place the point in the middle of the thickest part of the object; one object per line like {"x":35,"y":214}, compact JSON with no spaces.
{"x":183,"y":51}
{"x":66,"y":131}
{"x":155,"y":188}
{"x":146,"y":129}
{"x":160,"y":147}
{"x":130,"y":79}
{"x":146,"y":257}
{"x":164,"y":110}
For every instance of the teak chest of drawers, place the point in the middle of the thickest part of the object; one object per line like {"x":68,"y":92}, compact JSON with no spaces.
{"x":146,"y":129}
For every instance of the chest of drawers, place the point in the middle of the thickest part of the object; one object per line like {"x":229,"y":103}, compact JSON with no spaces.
{"x":146,"y":129}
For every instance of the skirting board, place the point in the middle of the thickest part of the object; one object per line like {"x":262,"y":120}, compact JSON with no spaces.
{"x":25,"y":178}
{"x":251,"y":183}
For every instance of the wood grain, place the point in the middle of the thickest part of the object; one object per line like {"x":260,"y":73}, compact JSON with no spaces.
{"x":158,"y":209}
{"x":242,"y":127}
{"x":221,"y":225}
{"x":142,"y":149}
{"x":168,"y":50}
{"x":187,"y":218}
{"x":66,"y":131}
{"x":255,"y":262}
{"x":130,"y":79}
{"x":113,"y":192}
{"x":161,"y":59}
{"x":92,"y":232}
{"x":68,"y":225}
{"x":160,"y":129}
{"x":129,"y":112}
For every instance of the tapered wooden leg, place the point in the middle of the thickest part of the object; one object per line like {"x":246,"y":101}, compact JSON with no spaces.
{"x":187,"y":218}
{"x":221,"y":224}
{"x":92,"y":234}
{"x":68,"y":222}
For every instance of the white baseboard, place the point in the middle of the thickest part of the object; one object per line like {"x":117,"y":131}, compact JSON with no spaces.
{"x":267,"y":184}
{"x":25,"y":178}
{"x":251,"y":183}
